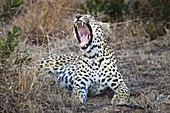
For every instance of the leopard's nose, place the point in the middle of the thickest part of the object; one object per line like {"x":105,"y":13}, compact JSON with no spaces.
{"x":78,"y":16}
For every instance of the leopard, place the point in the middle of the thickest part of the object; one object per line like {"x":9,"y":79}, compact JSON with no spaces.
{"x":91,"y":73}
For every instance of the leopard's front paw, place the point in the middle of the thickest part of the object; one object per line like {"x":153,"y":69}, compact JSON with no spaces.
{"x":119,"y":98}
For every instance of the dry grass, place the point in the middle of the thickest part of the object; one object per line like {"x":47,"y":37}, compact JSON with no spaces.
{"x":44,"y":18}
{"x":46,"y":28}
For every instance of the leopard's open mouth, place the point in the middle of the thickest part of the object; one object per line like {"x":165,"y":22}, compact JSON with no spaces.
{"x":84,"y":34}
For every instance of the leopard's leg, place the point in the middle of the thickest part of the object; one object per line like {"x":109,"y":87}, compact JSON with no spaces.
{"x":121,"y":92}
{"x":81,"y":85}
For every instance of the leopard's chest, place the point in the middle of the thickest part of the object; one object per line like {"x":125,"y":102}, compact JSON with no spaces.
{"x":97,"y":68}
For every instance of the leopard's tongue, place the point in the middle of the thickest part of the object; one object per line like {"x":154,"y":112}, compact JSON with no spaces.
{"x":83,"y":33}
{"x":84,"y":40}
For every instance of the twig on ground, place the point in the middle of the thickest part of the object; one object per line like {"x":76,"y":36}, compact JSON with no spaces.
{"x":119,"y":23}
{"x":134,"y":106}
{"x":137,"y":56}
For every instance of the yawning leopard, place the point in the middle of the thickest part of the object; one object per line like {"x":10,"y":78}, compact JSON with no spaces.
{"x":94,"y":71}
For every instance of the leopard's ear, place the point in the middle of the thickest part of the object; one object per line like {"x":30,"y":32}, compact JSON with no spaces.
{"x":105,"y":26}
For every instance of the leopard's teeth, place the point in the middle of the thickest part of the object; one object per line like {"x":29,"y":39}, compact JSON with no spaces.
{"x":88,"y":37}
{"x":76,"y":25}
{"x":82,"y":23}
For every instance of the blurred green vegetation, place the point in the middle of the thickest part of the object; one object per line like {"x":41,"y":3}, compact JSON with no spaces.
{"x":10,"y":8}
{"x":8,"y":46}
{"x":150,"y":12}
{"x":157,"y":9}
{"x":119,"y":9}
{"x":8,"y":43}
{"x":113,"y":8}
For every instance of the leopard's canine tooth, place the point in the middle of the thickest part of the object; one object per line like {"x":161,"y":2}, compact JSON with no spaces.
{"x":76,"y":25}
{"x":89,"y":37}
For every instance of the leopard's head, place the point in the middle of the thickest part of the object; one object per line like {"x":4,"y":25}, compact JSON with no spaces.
{"x":88,"y":32}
